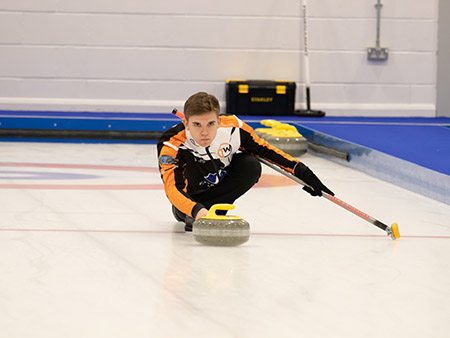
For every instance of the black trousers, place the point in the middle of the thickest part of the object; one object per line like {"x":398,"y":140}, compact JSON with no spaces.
{"x":242,"y":174}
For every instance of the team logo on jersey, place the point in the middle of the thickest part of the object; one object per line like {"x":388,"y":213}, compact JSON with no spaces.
{"x":225,"y":150}
{"x":215,"y":178}
{"x":164,"y":159}
{"x":193,"y":141}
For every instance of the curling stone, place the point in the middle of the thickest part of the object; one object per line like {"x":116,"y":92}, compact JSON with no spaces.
{"x":283,"y":136}
{"x":221,"y":230}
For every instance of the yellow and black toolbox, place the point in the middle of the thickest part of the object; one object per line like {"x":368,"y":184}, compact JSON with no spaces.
{"x":260,"y":97}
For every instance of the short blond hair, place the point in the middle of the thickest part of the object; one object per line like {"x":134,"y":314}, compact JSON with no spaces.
{"x":201,"y":103}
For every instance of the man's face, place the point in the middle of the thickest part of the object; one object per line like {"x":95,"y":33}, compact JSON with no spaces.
{"x":203,"y":127}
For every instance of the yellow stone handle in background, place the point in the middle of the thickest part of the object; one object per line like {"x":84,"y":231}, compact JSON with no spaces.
{"x":279,"y":129}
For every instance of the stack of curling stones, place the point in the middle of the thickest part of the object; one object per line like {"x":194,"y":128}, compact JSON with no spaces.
{"x":221,"y":230}
{"x":283,"y":136}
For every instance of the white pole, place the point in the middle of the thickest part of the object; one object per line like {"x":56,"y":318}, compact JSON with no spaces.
{"x":305,"y":41}
{"x":308,"y":111}
{"x":306,"y":53}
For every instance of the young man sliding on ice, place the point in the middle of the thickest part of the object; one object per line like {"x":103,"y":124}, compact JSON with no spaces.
{"x":209,"y":159}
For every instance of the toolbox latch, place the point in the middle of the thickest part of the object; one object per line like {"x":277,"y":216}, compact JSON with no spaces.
{"x":243,"y":89}
{"x":281,"y":90}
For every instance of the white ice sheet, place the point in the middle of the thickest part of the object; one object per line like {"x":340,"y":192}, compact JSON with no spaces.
{"x":97,"y":253}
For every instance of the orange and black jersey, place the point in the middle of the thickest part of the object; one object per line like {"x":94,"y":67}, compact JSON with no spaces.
{"x":188,"y":169}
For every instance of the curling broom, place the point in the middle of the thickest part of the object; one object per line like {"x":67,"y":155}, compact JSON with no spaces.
{"x":391,"y":231}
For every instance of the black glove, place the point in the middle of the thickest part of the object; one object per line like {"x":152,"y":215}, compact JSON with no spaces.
{"x":315,"y":187}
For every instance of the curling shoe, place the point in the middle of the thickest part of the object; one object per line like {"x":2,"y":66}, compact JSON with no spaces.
{"x":181,"y":217}
{"x":189,"y":223}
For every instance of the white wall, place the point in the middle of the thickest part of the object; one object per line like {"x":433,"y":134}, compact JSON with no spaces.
{"x":443,"y":78}
{"x":148,"y":56}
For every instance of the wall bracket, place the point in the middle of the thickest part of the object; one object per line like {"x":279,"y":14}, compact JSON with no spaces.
{"x":378,"y":53}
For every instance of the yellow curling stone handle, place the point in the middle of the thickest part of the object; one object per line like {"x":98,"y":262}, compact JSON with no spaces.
{"x":212,"y":212}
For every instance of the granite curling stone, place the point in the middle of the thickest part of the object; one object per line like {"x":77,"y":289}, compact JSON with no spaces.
{"x":221,"y":230}
{"x":283,"y":136}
